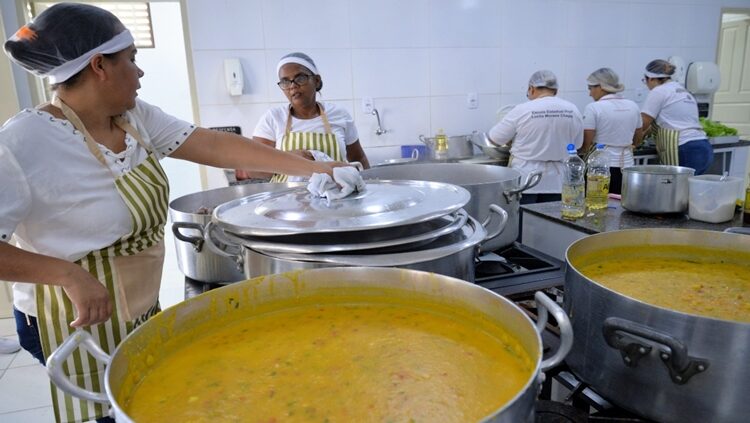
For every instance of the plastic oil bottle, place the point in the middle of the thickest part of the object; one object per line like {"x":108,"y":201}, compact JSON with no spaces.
{"x":441,"y":145}
{"x":573,"y":195}
{"x":597,"y":179}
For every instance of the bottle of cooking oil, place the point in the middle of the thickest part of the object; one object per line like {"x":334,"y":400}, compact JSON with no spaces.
{"x":441,"y":145}
{"x":573,"y":196}
{"x":746,"y":208}
{"x":597,"y":179}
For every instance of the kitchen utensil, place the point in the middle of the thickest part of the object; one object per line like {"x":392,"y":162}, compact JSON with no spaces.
{"x":653,"y":189}
{"x":713,"y":198}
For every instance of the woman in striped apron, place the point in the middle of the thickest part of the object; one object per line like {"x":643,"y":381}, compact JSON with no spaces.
{"x":83,"y":194}
{"x":680,"y":139}
{"x":314,"y":130}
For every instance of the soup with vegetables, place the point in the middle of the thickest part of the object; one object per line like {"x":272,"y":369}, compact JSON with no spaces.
{"x":706,"y":282}
{"x":347,"y":362}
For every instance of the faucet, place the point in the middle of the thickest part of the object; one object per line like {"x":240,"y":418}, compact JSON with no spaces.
{"x":380,"y":130}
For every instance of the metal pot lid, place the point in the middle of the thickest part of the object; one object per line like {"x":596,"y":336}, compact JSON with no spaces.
{"x":470,"y":235}
{"x":420,"y":234}
{"x":382,"y":204}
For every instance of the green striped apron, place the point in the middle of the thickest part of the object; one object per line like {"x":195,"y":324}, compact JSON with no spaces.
{"x":145,"y":191}
{"x":667,"y":146}
{"x":325,"y":142}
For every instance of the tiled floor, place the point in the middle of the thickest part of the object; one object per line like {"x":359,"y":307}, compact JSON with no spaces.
{"x":24,"y":385}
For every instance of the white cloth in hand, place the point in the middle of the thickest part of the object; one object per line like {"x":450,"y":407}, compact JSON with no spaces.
{"x":348,"y":178}
{"x":320,"y":183}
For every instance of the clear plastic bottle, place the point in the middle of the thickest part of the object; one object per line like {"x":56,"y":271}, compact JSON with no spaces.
{"x":746,"y":208}
{"x":441,"y":145}
{"x":597,"y":179}
{"x":573,"y":196}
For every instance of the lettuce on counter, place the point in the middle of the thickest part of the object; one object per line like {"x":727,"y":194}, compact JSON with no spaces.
{"x":716,"y":129}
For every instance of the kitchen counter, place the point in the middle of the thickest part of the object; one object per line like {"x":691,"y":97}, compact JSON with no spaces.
{"x":648,"y":149}
{"x":544,"y":229}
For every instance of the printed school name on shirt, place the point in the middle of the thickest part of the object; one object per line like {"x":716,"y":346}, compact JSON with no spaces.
{"x":552,"y":114}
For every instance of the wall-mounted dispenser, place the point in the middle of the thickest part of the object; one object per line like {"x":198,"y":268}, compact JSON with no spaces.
{"x":233,"y":76}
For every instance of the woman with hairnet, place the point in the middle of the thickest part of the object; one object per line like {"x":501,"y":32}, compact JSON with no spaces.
{"x":306,"y":126}
{"x":84,"y":194}
{"x":680,"y":139}
{"x":613,"y":121}
{"x":540,"y":131}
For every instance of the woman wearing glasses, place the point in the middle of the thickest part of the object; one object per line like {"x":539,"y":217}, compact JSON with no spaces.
{"x":613,"y":121}
{"x":305,"y":126}
{"x":680,"y":139}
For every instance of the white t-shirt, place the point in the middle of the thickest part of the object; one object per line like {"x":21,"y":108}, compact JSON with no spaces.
{"x":541,"y":130}
{"x":615,"y":120}
{"x":674,"y":107}
{"x":55,"y":196}
{"x":273,"y":125}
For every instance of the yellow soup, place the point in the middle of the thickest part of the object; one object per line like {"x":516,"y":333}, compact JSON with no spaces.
{"x":688,"y":279}
{"x":375,"y":362}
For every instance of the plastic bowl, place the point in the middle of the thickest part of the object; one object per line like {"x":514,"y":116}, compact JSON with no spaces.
{"x":712,"y":200}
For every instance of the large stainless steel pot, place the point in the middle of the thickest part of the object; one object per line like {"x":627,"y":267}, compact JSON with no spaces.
{"x":487,"y":184}
{"x":145,"y":345}
{"x":659,"y":363}
{"x":656,"y":188}
{"x":189,"y":215}
{"x":451,"y":255}
{"x":459,"y":147}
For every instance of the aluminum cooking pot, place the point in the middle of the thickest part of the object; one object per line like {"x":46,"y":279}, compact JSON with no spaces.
{"x":149,"y":343}
{"x":499,"y":152}
{"x":656,"y":188}
{"x":487,"y":184}
{"x":459,"y":147}
{"x":659,"y":363}
{"x":189,"y":215}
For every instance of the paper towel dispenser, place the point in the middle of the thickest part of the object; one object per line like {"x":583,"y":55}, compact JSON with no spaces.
{"x":703,"y":78}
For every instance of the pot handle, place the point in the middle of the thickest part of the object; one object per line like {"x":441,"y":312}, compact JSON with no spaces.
{"x":208,"y":235}
{"x":494,"y":208}
{"x":621,"y":334}
{"x":57,"y":359}
{"x":531,"y":181}
{"x":738,"y":230}
{"x":546,"y":305}
{"x":195,"y":240}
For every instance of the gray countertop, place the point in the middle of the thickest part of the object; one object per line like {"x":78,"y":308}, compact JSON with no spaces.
{"x":614,"y":218}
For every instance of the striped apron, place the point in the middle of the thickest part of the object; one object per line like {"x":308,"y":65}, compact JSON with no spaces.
{"x":667,"y":146}
{"x":130,"y":269}
{"x":325,"y":142}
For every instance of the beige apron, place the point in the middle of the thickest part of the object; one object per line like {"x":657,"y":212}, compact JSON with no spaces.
{"x":667,"y":146}
{"x":325,"y":142}
{"x":130,"y":269}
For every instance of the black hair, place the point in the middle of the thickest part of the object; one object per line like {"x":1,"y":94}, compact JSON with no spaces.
{"x":660,"y":66}
{"x":59,"y":34}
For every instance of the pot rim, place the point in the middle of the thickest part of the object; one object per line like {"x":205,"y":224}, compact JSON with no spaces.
{"x":660,"y":231}
{"x":659,"y":170}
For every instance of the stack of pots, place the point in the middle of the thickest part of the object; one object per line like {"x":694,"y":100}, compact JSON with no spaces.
{"x":408,"y":224}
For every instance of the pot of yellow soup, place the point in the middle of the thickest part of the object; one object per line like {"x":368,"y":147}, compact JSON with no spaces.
{"x":662,"y":321}
{"x":334,"y":344}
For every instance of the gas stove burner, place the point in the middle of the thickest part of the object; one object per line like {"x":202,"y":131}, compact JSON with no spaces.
{"x":556,"y":412}
{"x":492,"y":268}
{"x":518,"y":269}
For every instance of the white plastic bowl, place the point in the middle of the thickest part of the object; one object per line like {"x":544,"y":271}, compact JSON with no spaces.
{"x":712,"y":200}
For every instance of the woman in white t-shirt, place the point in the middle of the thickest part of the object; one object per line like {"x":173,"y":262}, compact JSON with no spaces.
{"x":540,"y":131}
{"x":680,"y":139}
{"x":83,"y":195}
{"x":305,"y":126}
{"x":613,"y":121}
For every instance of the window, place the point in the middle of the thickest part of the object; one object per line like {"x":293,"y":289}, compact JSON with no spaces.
{"x":136,"y":16}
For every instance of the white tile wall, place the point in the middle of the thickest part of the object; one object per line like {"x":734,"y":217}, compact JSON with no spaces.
{"x":419,"y":59}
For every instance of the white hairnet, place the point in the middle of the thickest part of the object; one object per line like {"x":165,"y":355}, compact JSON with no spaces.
{"x":543,"y":79}
{"x":607,"y":79}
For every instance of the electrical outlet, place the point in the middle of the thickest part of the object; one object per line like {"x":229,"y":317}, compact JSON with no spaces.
{"x":367,"y":105}
{"x":472,"y":101}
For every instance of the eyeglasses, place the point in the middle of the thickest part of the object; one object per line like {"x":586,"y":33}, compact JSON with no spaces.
{"x":591,"y":87}
{"x":645,"y":79}
{"x":299,"y":79}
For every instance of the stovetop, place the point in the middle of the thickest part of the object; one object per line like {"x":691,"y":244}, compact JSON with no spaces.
{"x":518,"y":269}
